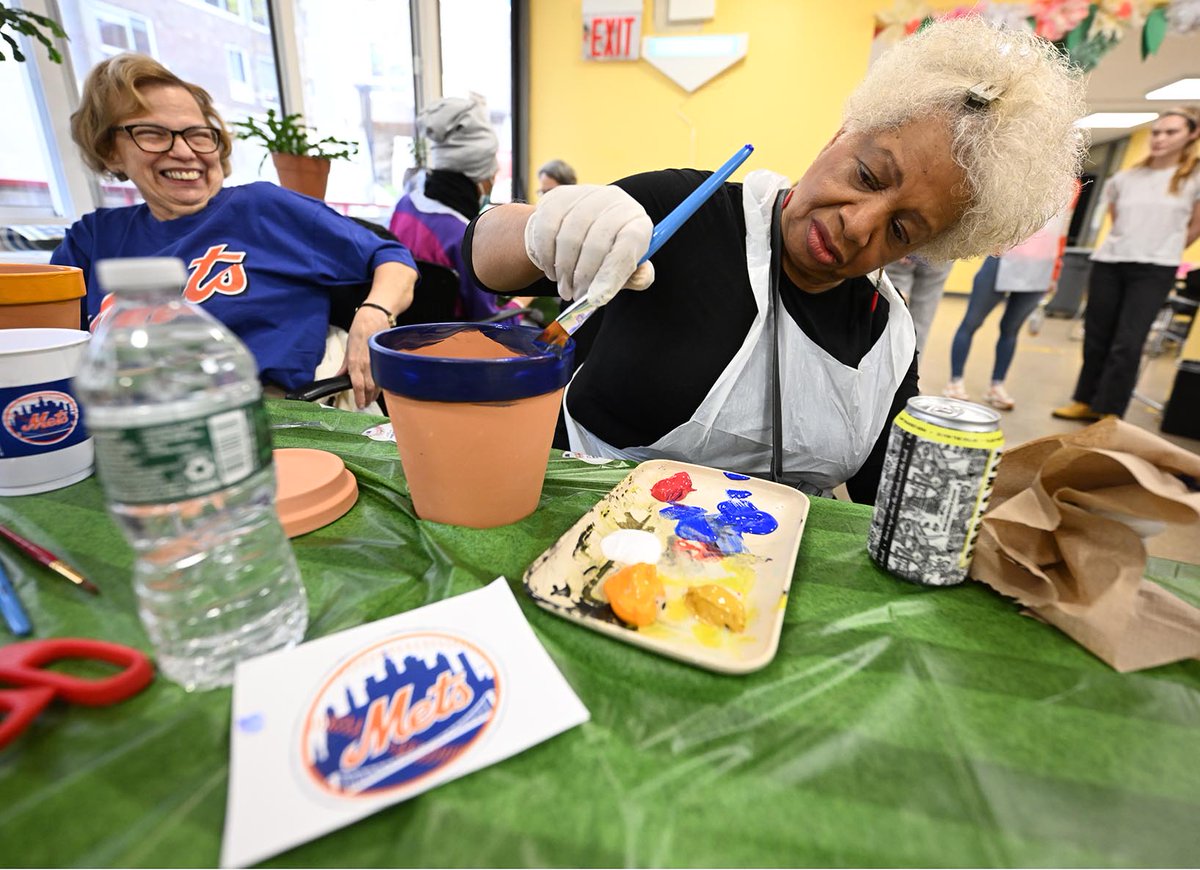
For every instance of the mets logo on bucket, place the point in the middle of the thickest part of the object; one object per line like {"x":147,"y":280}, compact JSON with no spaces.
{"x":41,"y":418}
{"x":398,"y":711}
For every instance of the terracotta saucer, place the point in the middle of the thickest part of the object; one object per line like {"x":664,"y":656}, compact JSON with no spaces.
{"x":312,"y":489}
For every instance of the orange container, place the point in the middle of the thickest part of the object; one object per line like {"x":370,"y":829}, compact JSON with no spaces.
{"x":33,"y":295}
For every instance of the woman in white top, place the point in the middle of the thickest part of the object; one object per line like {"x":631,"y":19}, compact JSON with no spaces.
{"x":1155,"y":211}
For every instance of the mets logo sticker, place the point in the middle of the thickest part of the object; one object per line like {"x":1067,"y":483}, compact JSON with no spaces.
{"x":398,"y":711}
{"x":41,"y":418}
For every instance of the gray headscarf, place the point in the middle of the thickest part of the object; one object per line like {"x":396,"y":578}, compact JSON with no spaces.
{"x":460,"y":137}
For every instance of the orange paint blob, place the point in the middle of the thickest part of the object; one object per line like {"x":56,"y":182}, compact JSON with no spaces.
{"x":636,"y":594}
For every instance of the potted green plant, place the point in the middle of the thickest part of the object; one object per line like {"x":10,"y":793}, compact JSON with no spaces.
{"x":301,"y":160}
{"x":31,"y":24}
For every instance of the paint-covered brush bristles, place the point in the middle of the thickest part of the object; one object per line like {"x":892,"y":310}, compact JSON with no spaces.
{"x":554,"y":334}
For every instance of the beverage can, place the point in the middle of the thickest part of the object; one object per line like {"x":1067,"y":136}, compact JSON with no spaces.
{"x":937,"y":478}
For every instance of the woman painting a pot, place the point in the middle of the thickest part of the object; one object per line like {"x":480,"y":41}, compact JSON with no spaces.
{"x":960,"y":141}
{"x":261,"y":259}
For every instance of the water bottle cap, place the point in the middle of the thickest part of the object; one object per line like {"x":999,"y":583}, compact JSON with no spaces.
{"x":134,"y":274}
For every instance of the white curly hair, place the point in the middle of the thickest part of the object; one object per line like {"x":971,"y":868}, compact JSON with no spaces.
{"x":1020,"y":153}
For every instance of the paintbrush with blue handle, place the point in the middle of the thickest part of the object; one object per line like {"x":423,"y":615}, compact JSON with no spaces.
{"x":574,"y":315}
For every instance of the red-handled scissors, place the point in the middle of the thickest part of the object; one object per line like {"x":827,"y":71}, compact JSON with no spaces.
{"x":23,"y":664}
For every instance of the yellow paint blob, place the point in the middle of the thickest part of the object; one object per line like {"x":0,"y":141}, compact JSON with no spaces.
{"x":717,"y":606}
{"x":635,"y":593}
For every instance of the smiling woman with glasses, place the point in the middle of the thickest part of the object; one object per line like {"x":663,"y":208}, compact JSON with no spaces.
{"x":264,"y":260}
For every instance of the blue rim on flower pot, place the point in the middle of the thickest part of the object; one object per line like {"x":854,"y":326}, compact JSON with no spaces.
{"x":533,"y":369}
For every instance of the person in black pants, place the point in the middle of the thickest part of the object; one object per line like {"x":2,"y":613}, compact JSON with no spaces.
{"x":1123,"y":300}
{"x":1155,"y":211}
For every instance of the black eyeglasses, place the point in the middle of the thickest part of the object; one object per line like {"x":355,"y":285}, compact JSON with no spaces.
{"x":154,"y":139}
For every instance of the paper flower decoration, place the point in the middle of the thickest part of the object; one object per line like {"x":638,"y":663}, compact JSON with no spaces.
{"x":1113,"y":18}
{"x":1054,"y":19}
{"x":1084,"y":30}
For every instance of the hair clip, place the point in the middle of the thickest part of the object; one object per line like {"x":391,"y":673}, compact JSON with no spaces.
{"x":981,"y":96}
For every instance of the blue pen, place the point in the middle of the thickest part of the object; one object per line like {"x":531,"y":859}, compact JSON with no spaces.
{"x":10,"y":607}
{"x":573,"y":316}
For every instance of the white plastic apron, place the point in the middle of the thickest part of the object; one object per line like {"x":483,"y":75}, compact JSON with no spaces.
{"x":832,"y":413}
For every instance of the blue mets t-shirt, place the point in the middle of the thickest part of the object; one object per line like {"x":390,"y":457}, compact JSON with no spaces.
{"x":263,"y":260}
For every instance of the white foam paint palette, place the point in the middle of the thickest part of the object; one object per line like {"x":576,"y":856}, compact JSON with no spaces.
{"x":701,"y":529}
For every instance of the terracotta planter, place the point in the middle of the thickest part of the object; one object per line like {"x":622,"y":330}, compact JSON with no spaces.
{"x":307,"y":175}
{"x":40,"y":296}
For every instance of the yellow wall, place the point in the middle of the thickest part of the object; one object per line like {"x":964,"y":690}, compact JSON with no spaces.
{"x":611,"y":119}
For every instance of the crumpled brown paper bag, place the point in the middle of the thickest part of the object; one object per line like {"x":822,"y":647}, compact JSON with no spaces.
{"x":1041,"y":543}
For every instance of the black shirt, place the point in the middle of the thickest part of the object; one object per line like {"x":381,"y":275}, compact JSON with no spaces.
{"x":658,"y":352}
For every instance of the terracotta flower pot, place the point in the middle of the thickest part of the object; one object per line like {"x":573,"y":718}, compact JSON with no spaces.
{"x":39,"y":296}
{"x":307,"y":175}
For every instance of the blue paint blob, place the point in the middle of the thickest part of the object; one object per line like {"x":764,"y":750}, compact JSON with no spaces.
{"x":725,"y":528}
{"x":252,"y":724}
{"x":735,"y":476}
{"x":746,"y":518}
{"x":691,"y":523}
{"x":737,"y":493}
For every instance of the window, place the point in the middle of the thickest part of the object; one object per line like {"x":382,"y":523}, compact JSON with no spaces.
{"x":350,"y":81}
{"x":119,"y":30}
{"x":358,"y":86}
{"x":183,"y":35}
{"x":482,"y":66}
{"x":42,"y":179}
{"x":25,"y":171}
{"x":266,"y":81}
{"x":238,"y":66}
{"x":236,"y":59}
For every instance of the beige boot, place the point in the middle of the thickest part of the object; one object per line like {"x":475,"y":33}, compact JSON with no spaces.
{"x":1075,"y":411}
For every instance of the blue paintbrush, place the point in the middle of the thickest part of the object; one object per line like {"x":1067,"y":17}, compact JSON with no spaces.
{"x":573,"y":316}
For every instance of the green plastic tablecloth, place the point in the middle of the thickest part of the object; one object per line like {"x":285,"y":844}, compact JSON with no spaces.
{"x":896,"y":726}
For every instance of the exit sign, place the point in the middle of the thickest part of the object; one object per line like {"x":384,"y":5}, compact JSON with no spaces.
{"x":611,"y":30}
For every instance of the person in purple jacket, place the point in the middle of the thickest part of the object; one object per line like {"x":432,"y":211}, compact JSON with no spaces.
{"x":431,"y":219}
{"x":264,"y":261}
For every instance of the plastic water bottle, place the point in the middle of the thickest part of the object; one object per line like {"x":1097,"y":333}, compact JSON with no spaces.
{"x":183,"y":452}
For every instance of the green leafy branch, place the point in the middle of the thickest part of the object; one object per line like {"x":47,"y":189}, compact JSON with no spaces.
{"x":30,"y":24}
{"x":285,"y":134}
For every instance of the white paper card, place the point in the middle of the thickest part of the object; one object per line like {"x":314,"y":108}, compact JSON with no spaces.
{"x":336,"y":729}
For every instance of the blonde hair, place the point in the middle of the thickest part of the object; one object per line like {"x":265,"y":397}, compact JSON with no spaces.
{"x":113,"y":92}
{"x":1187,"y":157}
{"x":1020,"y":153}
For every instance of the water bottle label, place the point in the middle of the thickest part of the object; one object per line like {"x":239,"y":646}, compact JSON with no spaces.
{"x":39,"y":418}
{"x":184,"y":459}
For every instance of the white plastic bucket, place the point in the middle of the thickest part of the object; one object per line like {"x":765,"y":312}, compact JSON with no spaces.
{"x":43,"y":442}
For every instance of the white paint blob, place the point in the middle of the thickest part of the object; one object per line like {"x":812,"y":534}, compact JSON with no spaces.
{"x":630,"y":546}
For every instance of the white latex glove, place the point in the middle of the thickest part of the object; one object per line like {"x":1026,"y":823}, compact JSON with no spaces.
{"x":589,"y":238}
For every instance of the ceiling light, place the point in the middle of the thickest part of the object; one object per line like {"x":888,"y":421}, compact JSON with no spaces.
{"x":1184,"y":89}
{"x":1115,"y":119}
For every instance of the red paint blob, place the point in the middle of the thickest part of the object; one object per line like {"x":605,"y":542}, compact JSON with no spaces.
{"x":673,"y":488}
{"x":697,"y":549}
